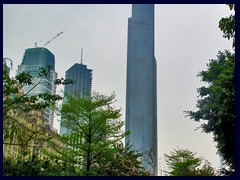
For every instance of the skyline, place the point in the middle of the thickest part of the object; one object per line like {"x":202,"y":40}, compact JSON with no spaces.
{"x":186,"y":37}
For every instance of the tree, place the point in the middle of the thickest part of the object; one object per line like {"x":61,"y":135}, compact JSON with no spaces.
{"x":227,"y":25}
{"x":182,"y":162}
{"x":93,"y":127}
{"x":216,"y":105}
{"x":36,"y":167}
{"x":216,"y":102}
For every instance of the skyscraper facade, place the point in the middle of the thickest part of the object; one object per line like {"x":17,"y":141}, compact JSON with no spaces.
{"x":83,"y":80}
{"x":141,"y":93}
{"x":33,"y":59}
{"x":82,"y":86}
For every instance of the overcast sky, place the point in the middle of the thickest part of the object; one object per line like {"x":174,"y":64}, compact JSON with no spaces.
{"x":186,"y":37}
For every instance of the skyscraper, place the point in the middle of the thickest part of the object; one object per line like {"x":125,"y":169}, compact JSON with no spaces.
{"x":82,"y":86}
{"x":141,"y":94}
{"x":33,"y":59}
{"x":83,"y":80}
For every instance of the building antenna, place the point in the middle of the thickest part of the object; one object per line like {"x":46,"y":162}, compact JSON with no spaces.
{"x":81,"y":55}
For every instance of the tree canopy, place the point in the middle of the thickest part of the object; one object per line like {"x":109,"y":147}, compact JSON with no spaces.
{"x":227,"y":25}
{"x":182,"y":162}
{"x":216,"y":105}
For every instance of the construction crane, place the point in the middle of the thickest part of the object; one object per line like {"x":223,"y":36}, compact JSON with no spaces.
{"x":50,"y":40}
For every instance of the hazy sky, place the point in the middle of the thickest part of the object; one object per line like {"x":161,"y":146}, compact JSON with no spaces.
{"x":186,"y":37}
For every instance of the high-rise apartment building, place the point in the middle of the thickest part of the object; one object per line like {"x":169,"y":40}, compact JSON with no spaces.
{"x":82,"y":86}
{"x":141,"y":93}
{"x":33,"y":59}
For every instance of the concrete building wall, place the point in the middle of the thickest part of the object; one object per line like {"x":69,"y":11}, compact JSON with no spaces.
{"x":141,"y":98}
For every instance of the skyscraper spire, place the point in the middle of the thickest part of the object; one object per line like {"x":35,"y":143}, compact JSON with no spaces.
{"x":81,"y":55}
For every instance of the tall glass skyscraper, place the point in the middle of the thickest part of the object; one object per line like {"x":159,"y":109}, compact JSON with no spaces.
{"x":83,"y":80}
{"x":82,"y":86}
{"x":141,"y":94}
{"x":33,"y":59}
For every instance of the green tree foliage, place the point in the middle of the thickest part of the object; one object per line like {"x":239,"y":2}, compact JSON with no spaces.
{"x":33,"y":167}
{"x":117,"y":161}
{"x":216,"y":102}
{"x":216,"y":105}
{"x":92,"y":145}
{"x":94,"y":126}
{"x":183,"y":162}
{"x":227,"y":25}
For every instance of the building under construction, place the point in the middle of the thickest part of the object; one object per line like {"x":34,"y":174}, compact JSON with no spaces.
{"x":33,"y":59}
{"x":82,"y":76}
